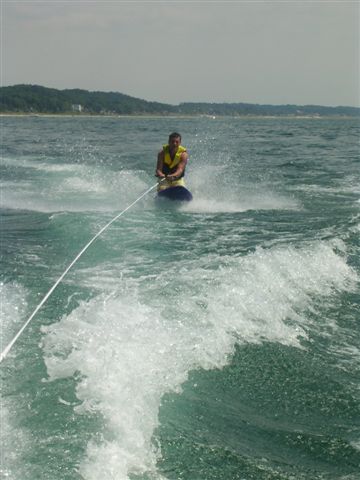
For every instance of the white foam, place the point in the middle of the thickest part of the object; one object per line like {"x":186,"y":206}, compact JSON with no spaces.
{"x":218,"y":192}
{"x":355,"y":228}
{"x":356,"y":444}
{"x":347,"y":355}
{"x":13,"y":305}
{"x":82,"y":185}
{"x":92,"y":189}
{"x":131,"y":347}
{"x":13,"y":440}
{"x":345,"y":186}
{"x":36,"y":164}
{"x":204,"y":204}
{"x":14,"y":443}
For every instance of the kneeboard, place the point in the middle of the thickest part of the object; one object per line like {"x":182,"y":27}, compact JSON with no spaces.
{"x":176,"y":193}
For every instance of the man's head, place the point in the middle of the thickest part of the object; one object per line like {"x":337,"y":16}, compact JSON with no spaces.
{"x":174,"y":140}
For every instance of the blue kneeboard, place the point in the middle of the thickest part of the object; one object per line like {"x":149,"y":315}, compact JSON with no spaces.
{"x":176,"y":193}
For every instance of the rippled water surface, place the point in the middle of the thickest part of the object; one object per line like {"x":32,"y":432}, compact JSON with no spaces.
{"x":213,"y":340}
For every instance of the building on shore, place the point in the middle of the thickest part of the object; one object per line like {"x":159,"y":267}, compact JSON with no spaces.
{"x":77,"y":108}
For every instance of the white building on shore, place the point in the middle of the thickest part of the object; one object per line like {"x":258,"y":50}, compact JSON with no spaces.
{"x":76,"y":108}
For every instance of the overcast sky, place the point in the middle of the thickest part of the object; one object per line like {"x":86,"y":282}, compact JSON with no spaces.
{"x":273,"y":52}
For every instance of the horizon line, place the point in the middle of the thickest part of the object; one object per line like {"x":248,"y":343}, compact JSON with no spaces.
{"x":184,"y":102}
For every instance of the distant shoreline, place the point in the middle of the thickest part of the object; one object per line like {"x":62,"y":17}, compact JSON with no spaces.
{"x":157,"y":116}
{"x":33,"y":100}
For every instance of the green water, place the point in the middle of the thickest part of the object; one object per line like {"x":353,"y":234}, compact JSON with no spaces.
{"x":213,"y":340}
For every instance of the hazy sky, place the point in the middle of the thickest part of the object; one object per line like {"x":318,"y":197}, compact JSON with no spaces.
{"x":303,"y":52}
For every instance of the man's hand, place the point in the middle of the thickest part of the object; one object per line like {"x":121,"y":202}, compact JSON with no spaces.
{"x":171,"y":178}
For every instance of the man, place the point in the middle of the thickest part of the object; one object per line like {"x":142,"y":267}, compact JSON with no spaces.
{"x":171,"y":163}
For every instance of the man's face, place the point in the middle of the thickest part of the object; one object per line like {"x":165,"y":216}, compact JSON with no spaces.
{"x":174,"y":142}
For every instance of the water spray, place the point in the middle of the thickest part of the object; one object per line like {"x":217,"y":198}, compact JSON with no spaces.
{"x":14,"y":340}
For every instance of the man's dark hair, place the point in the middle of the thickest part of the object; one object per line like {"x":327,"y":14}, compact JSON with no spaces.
{"x":174,"y":135}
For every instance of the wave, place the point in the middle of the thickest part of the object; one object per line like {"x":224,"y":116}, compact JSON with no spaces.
{"x":45,"y":166}
{"x":14,"y":440}
{"x":204,"y":204}
{"x":13,"y":307}
{"x":133,"y":345}
{"x":91,"y":189}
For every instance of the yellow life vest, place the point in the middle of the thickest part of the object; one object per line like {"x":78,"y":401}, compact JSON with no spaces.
{"x":169,"y":163}
{"x":169,"y":166}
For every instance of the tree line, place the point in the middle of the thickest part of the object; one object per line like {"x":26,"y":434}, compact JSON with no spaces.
{"x":37,"y":99}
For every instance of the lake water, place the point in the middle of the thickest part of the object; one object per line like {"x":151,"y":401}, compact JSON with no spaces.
{"x":213,"y":340}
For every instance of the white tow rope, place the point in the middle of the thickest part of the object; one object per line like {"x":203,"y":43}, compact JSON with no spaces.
{"x":10,"y":345}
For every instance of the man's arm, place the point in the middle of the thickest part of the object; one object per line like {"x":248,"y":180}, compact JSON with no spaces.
{"x":159,"y":165}
{"x":180,"y":167}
